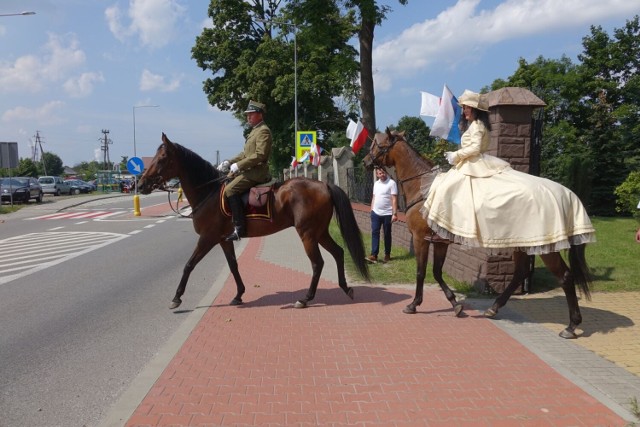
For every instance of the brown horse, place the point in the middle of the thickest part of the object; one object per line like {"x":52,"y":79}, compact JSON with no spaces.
{"x":305,"y":204}
{"x":391,"y":149}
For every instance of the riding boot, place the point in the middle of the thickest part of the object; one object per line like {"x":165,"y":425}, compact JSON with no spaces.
{"x":237,"y":216}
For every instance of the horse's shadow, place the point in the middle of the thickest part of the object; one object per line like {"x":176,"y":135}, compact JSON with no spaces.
{"x":554,"y":310}
{"x":328,"y":297}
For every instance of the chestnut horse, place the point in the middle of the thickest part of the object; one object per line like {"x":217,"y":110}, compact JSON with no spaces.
{"x":391,"y":149}
{"x":305,"y":204}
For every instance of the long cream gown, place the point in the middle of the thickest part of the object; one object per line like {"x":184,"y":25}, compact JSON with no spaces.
{"x":483,"y":202}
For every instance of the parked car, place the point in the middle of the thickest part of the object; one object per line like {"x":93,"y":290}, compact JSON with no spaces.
{"x":79,"y":186}
{"x":21,"y":188}
{"x":54,"y":185}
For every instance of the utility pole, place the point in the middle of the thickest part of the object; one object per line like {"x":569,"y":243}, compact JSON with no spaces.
{"x":35,"y":156}
{"x":217,"y":157}
{"x":105,"y":149}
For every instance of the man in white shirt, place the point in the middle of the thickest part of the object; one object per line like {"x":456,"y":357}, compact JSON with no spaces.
{"x":384,"y":211}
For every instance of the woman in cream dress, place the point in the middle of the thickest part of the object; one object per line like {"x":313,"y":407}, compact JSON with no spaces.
{"x":482,"y":202}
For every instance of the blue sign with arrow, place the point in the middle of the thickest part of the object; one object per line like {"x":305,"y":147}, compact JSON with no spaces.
{"x":135,"y":165}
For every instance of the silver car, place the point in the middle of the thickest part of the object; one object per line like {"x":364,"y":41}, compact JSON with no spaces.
{"x":54,"y":185}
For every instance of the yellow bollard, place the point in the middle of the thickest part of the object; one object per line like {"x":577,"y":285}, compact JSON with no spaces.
{"x":136,"y":205}
{"x":179,"y":194}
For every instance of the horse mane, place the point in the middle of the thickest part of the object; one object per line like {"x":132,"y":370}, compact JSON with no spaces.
{"x":200,"y":171}
{"x":417,"y":157}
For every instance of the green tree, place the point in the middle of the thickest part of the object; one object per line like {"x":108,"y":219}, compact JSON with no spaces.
{"x":52,"y":164}
{"x":610,"y":67}
{"x":27,"y":167}
{"x":250,"y":53}
{"x":417,"y":134}
{"x":87,"y":170}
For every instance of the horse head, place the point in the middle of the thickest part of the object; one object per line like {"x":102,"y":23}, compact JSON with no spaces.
{"x":381,"y":147}
{"x":163,"y":167}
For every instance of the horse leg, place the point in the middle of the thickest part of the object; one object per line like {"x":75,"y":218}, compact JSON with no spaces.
{"x":439,"y":256}
{"x":203,"y":247}
{"x":337,"y":253}
{"x":421,"y":249}
{"x":317,"y":263}
{"x":559,"y":268}
{"x":232,"y":262}
{"x":521,"y":264}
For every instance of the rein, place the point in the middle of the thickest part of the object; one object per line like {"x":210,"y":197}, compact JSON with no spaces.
{"x":176,"y":210}
{"x":383,"y":152}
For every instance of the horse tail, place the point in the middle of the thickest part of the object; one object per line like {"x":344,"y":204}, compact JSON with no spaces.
{"x":580,"y":270}
{"x":349,"y":229}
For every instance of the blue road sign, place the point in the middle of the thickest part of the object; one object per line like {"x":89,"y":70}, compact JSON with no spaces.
{"x":135,"y":166}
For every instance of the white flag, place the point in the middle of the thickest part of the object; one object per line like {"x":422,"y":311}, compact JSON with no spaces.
{"x":430,"y":104}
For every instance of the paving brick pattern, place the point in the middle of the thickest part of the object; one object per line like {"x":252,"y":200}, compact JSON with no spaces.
{"x":362,"y":363}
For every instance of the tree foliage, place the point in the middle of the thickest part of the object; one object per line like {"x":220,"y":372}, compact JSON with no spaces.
{"x":250,"y":53}
{"x":52,"y":164}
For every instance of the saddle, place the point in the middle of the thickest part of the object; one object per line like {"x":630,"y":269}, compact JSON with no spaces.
{"x":258,"y":201}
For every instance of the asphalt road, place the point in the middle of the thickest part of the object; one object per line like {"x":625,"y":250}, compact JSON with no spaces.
{"x":75,"y":334}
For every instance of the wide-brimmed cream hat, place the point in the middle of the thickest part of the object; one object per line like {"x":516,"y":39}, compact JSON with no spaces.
{"x":256,"y":107}
{"x":473,"y":99}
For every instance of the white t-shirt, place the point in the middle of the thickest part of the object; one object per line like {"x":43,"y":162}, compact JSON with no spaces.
{"x":382,"y":192}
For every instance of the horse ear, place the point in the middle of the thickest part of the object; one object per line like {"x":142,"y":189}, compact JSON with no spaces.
{"x":388,"y":131}
{"x":166,"y":141}
{"x":401,"y":134}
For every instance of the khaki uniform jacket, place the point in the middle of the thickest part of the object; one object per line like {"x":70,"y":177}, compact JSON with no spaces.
{"x":253,"y":161}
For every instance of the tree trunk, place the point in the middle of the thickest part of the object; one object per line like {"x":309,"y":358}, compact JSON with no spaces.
{"x":367,"y":95}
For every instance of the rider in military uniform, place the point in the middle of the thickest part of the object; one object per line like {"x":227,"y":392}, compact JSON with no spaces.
{"x":248,"y":168}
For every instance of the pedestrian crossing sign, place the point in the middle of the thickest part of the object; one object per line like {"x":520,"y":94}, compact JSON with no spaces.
{"x":304,"y":140}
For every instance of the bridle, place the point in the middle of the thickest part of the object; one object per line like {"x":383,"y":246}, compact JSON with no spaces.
{"x":158,"y":183}
{"x":382,"y":152}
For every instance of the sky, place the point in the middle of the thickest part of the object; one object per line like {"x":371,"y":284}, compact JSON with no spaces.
{"x":79,"y":67}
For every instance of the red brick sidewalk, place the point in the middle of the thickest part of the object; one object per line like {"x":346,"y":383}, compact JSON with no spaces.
{"x":340,"y":362}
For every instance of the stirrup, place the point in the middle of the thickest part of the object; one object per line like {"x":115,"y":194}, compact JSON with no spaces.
{"x":234,"y":236}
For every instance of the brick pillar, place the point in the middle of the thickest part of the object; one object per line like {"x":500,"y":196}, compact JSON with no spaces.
{"x":510,"y":112}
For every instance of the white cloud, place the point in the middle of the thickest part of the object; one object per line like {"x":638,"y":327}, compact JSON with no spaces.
{"x":33,"y":73}
{"x":461,"y":32}
{"x":82,"y":86}
{"x":44,"y":115}
{"x":150,"y":81}
{"x":154,"y":22}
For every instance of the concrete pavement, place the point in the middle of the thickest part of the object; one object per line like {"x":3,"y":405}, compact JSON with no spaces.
{"x":340,"y":362}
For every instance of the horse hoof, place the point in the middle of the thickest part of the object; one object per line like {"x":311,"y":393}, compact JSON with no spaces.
{"x":568,"y":334}
{"x":350,"y":293}
{"x":490,"y":313}
{"x":300,"y":304}
{"x":175,"y":304}
{"x":409,"y":310}
{"x":236,"y":301}
{"x":457,"y":309}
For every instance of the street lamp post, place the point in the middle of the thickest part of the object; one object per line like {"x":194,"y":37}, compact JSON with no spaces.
{"x":136,"y":198}
{"x":18,"y":14}
{"x":295,"y":73}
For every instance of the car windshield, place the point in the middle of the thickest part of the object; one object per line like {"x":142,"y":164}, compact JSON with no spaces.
{"x":15,"y":182}
{"x":46,"y":180}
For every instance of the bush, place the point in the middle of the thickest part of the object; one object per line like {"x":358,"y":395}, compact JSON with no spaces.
{"x":628,"y":195}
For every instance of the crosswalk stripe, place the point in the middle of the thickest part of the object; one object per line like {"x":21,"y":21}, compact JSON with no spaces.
{"x":52,"y":248}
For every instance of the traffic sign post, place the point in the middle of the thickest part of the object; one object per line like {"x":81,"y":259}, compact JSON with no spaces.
{"x":135,"y":166}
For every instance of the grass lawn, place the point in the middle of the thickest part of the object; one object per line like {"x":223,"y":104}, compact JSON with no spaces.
{"x":614,"y":261}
